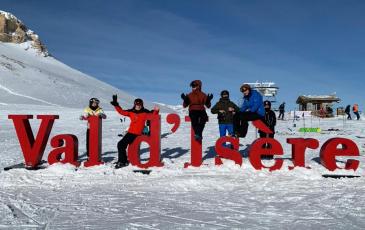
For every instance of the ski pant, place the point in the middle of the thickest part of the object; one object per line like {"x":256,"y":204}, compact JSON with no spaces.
{"x":281,"y":115}
{"x":357,"y":115}
{"x":267,"y":145}
{"x":349,"y":116}
{"x":122,"y":146}
{"x":240,"y":122}
{"x":224,"y":128}
{"x":198,"y":119}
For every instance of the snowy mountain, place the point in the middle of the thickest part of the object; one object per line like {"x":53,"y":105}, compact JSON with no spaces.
{"x":29,"y":75}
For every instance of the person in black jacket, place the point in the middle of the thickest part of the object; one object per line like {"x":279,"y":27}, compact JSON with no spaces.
{"x":270,"y":121}
{"x":347,"y":111}
{"x":225,"y":109}
{"x":281,"y":111}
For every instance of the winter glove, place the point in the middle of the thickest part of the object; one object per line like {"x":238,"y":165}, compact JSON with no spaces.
{"x":114,"y":102}
{"x":185,"y":98}
{"x":209,"y":98}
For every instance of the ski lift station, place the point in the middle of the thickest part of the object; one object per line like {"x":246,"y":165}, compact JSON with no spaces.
{"x":268,"y":90}
{"x":318,"y":104}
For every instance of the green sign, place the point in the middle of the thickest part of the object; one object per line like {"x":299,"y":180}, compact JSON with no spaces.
{"x":310,"y":130}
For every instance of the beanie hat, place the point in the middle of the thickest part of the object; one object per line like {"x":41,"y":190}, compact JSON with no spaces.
{"x":267,"y":103}
{"x":224,"y":92}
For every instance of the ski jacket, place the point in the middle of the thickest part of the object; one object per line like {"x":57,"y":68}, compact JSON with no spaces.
{"x":253,"y":103}
{"x":355,"y":108}
{"x":227,"y":116}
{"x":138,"y":118}
{"x":89,"y":112}
{"x":282,"y":107}
{"x":347,"y":110}
{"x":197,"y":99}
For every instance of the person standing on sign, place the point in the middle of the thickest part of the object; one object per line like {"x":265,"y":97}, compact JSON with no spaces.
{"x":270,"y":121}
{"x":138,"y":118}
{"x":252,"y":109}
{"x":281,"y":111}
{"x":355,"y":109}
{"x":196,"y":101}
{"x":225,"y":109}
{"x":92,"y":110}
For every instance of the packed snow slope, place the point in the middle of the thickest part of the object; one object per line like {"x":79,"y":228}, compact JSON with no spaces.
{"x":29,"y":78}
{"x":171,"y":197}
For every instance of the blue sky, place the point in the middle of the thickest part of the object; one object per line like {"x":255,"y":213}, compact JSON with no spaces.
{"x":153,"y":49}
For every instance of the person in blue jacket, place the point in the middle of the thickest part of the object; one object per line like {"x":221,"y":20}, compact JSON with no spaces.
{"x":252,"y":109}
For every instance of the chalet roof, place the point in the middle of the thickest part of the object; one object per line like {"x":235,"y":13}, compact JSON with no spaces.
{"x":304,"y":99}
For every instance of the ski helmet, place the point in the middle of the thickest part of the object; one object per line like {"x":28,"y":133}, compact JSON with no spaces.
{"x":138,"y":101}
{"x":245,"y":87}
{"x":196,"y":84}
{"x":92,"y":100}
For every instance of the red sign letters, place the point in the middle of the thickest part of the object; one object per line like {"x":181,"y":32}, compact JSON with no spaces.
{"x":65,"y":146}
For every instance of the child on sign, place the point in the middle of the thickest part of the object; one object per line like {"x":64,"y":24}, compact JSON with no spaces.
{"x":270,"y":121}
{"x":92,"y":110}
{"x":225,"y":109}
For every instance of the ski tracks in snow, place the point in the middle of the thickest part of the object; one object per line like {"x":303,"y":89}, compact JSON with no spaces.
{"x":25,"y":96}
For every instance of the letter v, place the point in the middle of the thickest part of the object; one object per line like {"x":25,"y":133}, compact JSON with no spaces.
{"x":33,"y":149}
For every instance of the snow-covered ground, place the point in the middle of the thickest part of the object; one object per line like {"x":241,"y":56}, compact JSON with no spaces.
{"x":171,"y":197}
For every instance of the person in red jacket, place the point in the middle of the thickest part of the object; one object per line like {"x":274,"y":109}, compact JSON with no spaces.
{"x":138,"y":121}
{"x":197,"y":100}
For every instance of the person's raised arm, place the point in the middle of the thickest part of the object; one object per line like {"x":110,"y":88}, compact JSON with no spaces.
{"x":117,"y":107}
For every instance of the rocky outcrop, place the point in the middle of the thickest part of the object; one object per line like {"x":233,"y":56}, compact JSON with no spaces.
{"x":14,"y":31}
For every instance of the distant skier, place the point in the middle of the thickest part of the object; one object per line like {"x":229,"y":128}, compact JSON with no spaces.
{"x":225,"y":109}
{"x":138,"y":121}
{"x":270,"y":121}
{"x":92,"y":110}
{"x":355,"y":109}
{"x":347,"y":111}
{"x":196,"y":101}
{"x":281,"y":111}
{"x":329,"y":111}
{"x":252,"y":109}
